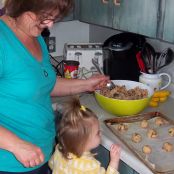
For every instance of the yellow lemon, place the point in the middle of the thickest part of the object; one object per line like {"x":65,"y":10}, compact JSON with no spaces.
{"x":163,"y":99}
{"x":153,"y":104}
{"x":161,"y":93}
{"x":155,"y":99}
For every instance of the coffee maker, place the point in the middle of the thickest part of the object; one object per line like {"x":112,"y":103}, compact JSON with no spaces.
{"x":119,"y":56}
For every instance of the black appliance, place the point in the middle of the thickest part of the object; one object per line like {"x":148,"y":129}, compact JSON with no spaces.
{"x":119,"y":56}
{"x":46,"y":34}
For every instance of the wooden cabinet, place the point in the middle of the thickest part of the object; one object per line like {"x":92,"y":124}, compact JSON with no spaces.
{"x":96,"y":12}
{"x":167,"y":21}
{"x":153,"y":18}
{"x":137,"y":16}
{"x":69,"y":17}
{"x":72,"y":15}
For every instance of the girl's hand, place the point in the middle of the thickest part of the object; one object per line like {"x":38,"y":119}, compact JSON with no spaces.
{"x":28,"y":154}
{"x":114,"y":156}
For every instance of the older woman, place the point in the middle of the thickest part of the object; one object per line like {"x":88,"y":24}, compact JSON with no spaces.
{"x":27,"y":80}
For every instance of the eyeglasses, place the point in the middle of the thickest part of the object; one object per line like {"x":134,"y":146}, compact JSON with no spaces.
{"x":48,"y":20}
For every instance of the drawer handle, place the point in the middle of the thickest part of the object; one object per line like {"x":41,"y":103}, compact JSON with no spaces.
{"x":117,"y":2}
{"x":105,"y":1}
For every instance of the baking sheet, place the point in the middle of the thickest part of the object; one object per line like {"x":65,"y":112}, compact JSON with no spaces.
{"x":159,"y":161}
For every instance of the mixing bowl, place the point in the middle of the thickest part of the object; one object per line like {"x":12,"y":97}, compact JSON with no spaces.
{"x":124,"y":107}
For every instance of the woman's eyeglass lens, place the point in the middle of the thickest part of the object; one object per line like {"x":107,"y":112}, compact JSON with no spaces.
{"x":47,"y":21}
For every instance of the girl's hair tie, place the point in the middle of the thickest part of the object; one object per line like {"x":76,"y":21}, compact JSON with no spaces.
{"x":82,"y":108}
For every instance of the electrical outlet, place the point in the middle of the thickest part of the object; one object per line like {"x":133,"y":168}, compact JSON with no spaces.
{"x":52,"y":44}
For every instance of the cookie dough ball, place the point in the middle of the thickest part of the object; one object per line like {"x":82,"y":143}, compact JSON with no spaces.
{"x":122,"y":127}
{"x":136,"y":138}
{"x":160,"y":121}
{"x":168,"y":147}
{"x":151,"y":133}
{"x":147,"y":149}
{"x":144,"y":124}
{"x":171,"y":131}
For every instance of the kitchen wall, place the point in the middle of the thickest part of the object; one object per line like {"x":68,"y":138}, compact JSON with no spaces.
{"x":75,"y":31}
{"x":66,"y":32}
{"x":1,"y":4}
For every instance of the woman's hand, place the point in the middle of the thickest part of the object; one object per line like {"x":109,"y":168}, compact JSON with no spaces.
{"x":114,"y":156}
{"x":28,"y":154}
{"x":97,"y":82}
{"x":65,"y":87}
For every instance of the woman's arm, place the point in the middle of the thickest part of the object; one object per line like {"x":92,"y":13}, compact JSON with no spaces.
{"x":74,"y":86}
{"x":28,"y":154}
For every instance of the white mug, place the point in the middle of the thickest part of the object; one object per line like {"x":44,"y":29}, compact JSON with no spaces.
{"x":155,"y":80}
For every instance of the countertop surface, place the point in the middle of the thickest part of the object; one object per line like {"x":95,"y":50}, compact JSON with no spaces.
{"x":109,"y":138}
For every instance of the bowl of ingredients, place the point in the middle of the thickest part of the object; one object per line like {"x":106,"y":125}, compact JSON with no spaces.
{"x":127,"y":98}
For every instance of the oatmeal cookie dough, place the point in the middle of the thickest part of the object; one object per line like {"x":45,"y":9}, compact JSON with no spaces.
{"x":144,"y":124}
{"x":151,"y":133}
{"x":160,"y":121}
{"x":171,"y":131}
{"x":168,"y":147}
{"x":147,"y":149}
{"x":136,"y":138}
{"x":122,"y":127}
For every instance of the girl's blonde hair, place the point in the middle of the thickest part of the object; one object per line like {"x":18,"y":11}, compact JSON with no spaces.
{"x":75,"y":128}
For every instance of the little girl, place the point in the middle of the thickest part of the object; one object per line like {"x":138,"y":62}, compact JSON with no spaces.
{"x":79,"y":133}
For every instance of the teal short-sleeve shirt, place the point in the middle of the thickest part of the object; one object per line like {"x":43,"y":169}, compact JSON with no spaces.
{"x":25,"y":103}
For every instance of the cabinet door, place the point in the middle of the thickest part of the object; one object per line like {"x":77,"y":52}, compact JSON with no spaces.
{"x":103,"y":157}
{"x":137,"y":16}
{"x":96,"y":12}
{"x":72,"y":15}
{"x":69,"y":17}
{"x":125,"y":169}
{"x":168,"y":24}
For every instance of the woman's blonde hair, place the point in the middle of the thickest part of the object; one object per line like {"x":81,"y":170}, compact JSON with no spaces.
{"x":75,"y":128}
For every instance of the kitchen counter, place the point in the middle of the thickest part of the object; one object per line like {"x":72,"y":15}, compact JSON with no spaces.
{"x":109,"y":138}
